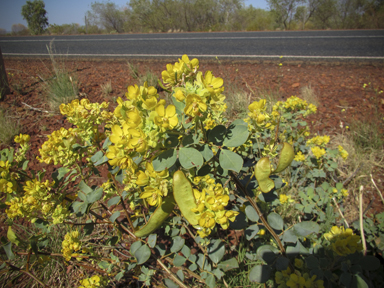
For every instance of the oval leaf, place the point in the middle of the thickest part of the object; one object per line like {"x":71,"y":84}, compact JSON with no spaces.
{"x":228,"y":264}
{"x":190,"y":157}
{"x":165,"y":160}
{"x":260,"y":274}
{"x":216,"y":250}
{"x":275,"y":221}
{"x":237,"y":134}
{"x":230,"y":160}
{"x":251,"y":213}
{"x":142,"y":254}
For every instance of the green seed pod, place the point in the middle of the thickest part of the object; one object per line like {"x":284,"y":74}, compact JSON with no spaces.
{"x":262,"y":173}
{"x":183,"y":193}
{"x":286,"y":156}
{"x":158,"y":217}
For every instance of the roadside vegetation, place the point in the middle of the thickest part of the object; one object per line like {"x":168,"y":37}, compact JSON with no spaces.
{"x":77,"y":228}
{"x":143,"y":16}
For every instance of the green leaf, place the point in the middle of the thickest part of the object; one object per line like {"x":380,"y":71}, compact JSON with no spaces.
{"x":186,"y":251}
{"x":172,"y":141}
{"x":170,"y":284}
{"x":80,"y":207}
{"x":260,"y":273}
{"x":114,"y":216}
{"x":106,"y":143}
{"x":12,"y":236}
{"x":135,"y":246}
{"x":228,"y":264}
{"x":190,"y":140}
{"x":218,"y":273}
{"x":267,"y":253}
{"x":217,"y":134}
{"x":95,"y":195}
{"x":152,"y":240}
{"x":206,"y":151}
{"x":103,"y":264}
{"x":312,"y":262}
{"x":113,"y":201}
{"x":251,"y":232}
{"x":179,"y":260}
{"x":290,"y":236}
{"x":251,"y":213}
{"x":216,"y":250}
{"x":180,"y":274}
{"x":345,"y":279}
{"x":84,"y":187}
{"x":230,"y":160}
{"x":306,"y":227}
{"x":210,"y":281}
{"x":165,"y":160}
{"x":8,"y":250}
{"x":275,"y":221}
{"x":192,"y":267}
{"x":119,"y":275}
{"x":282,"y":263}
{"x":88,"y":229}
{"x":190,"y":157}
{"x":178,"y":243}
{"x":368,"y":262}
{"x":142,"y":254}
{"x":237,"y":134}
{"x":62,"y":171}
{"x":360,"y":282}
{"x":25,"y":165}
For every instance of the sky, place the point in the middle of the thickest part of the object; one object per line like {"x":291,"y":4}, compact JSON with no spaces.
{"x":63,"y":11}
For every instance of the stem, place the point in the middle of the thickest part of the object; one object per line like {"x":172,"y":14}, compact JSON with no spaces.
{"x":341,"y":213}
{"x":181,"y":284}
{"x":261,"y":216}
{"x":378,"y":191}
{"x":361,"y":220}
{"x":27,"y":273}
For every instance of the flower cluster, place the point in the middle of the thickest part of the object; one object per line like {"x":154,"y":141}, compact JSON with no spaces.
{"x":86,"y":116}
{"x":296,"y":279}
{"x":257,"y":112}
{"x":37,"y":201}
{"x":58,"y":149}
{"x":8,"y":183}
{"x":342,"y":241}
{"x":179,"y":73}
{"x":293,"y":104}
{"x":93,"y":282}
{"x":211,"y":202}
{"x":343,"y":153}
{"x":23,"y":140}
{"x":70,"y":244}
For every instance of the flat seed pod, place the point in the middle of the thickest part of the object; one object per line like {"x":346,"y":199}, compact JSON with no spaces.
{"x":262,"y":173}
{"x":183,"y":193}
{"x":286,"y":157}
{"x":158,"y":217}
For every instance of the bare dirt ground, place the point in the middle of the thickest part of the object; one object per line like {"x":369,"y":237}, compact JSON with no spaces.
{"x":339,"y":88}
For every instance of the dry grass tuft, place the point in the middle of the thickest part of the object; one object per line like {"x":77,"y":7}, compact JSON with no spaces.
{"x":9,"y":128}
{"x":308,"y":94}
{"x":107,"y":88}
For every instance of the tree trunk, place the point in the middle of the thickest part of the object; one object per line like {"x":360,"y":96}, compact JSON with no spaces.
{"x":4,"y":86}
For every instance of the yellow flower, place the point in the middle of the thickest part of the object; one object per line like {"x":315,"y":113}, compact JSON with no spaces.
{"x":299,"y":157}
{"x":194,"y":105}
{"x":166,"y":119}
{"x":179,"y":95}
{"x":296,"y":281}
{"x":318,"y":152}
{"x":212,"y":83}
{"x":299,"y":263}
{"x":152,"y":195}
{"x":319,"y":140}
{"x":22,"y":139}
{"x":343,"y":153}
{"x":284,"y":198}
{"x":207,"y":220}
{"x":343,"y":241}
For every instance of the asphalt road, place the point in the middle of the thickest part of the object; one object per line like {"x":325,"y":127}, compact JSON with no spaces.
{"x":326,"y":45}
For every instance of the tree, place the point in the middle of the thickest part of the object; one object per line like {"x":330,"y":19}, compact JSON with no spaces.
{"x":284,"y":10}
{"x":107,"y":15}
{"x":19,"y":29}
{"x":3,"y":31}
{"x":35,"y":14}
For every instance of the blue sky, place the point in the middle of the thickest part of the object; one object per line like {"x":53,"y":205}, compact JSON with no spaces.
{"x":66,"y":11}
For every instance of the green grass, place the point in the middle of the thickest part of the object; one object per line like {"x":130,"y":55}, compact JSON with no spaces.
{"x":63,"y":87}
{"x":9,"y":127}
